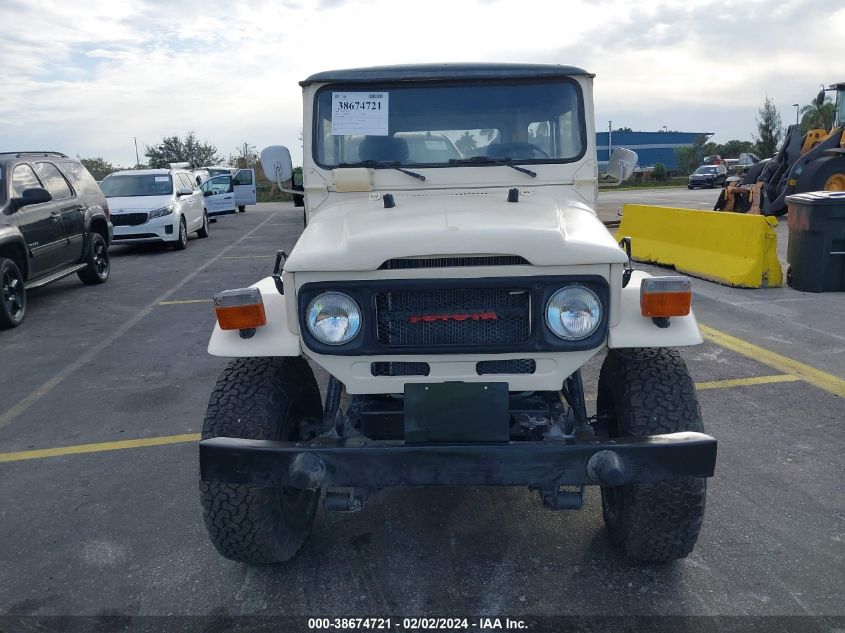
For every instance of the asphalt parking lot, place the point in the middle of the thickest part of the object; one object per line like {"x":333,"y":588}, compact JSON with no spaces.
{"x":104,"y":389}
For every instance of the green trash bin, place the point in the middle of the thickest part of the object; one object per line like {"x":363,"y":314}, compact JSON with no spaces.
{"x":816,"y":252}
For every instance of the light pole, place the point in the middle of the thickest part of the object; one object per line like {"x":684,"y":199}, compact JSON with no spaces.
{"x":795,"y":105}
{"x":137,"y":160}
{"x":609,"y":138}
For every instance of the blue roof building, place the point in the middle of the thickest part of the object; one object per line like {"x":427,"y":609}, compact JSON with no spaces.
{"x":651,"y":147}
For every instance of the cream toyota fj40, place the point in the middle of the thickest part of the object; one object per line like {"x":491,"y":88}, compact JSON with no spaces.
{"x":452,"y":278}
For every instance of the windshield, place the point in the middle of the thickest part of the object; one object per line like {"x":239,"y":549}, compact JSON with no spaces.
{"x":706,"y":170}
{"x":137,"y":185}
{"x":217,"y":171}
{"x":432,"y":125}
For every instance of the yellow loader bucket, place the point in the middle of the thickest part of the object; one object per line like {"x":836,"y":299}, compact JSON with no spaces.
{"x":728,"y":248}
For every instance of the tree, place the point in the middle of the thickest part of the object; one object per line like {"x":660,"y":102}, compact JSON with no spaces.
{"x":173,"y":149}
{"x":659,"y":172}
{"x":99,"y":167}
{"x":466,"y":143}
{"x":691,"y":156}
{"x":246,"y":156}
{"x":815,"y":116}
{"x":769,"y":129}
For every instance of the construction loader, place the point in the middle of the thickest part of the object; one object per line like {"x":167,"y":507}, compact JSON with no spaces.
{"x":811,"y":162}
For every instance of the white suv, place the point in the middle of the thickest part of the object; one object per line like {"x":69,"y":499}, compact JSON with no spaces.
{"x":155,"y":205}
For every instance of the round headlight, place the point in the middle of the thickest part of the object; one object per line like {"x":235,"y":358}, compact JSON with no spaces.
{"x":333,"y":318}
{"x":573,"y":313}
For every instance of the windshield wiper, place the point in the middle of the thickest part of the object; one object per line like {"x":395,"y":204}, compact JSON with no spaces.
{"x":486,"y":160}
{"x":378,"y":164}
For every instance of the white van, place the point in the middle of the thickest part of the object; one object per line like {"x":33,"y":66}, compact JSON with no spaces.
{"x":219,"y":195}
{"x":243,"y":182}
{"x":155,"y":205}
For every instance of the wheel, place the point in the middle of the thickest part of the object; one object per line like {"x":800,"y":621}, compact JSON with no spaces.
{"x":789,"y":276}
{"x":12,"y":294}
{"x":203,"y":232}
{"x":97,"y":260}
{"x":823,"y":174}
{"x":649,"y":392}
{"x":689,"y":186}
{"x":182,"y":242}
{"x":241,"y":208}
{"x":260,"y":398}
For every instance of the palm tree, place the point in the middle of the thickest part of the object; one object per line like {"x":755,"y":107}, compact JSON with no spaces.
{"x":815,"y":116}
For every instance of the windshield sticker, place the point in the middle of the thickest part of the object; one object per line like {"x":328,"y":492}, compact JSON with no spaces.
{"x":436,"y":145}
{"x":161,"y":178}
{"x":359,"y":113}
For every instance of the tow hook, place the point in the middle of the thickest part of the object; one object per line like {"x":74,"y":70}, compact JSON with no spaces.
{"x":607,"y":468}
{"x":307,"y":471}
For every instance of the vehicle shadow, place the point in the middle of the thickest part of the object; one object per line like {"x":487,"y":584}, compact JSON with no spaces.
{"x":493,"y":551}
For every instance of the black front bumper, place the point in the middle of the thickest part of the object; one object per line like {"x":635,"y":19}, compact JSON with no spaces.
{"x":366,"y":463}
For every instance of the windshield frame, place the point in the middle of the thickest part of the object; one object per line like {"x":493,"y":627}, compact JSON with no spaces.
{"x":392,"y":85}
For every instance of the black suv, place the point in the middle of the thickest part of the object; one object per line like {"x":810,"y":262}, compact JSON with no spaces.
{"x":708,"y":176}
{"x":54,"y":221}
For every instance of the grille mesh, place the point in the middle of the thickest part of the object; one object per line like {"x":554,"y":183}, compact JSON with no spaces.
{"x":453,"y":262}
{"x":128,"y":219}
{"x":399,"y":369}
{"x":515,"y":366}
{"x":473,"y":316}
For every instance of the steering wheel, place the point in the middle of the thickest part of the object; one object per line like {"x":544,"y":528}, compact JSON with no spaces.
{"x":515,"y":151}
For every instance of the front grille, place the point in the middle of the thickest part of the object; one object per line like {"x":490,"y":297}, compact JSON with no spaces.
{"x":135,"y":236}
{"x":515,"y":366}
{"x":399,"y":369}
{"x":453,"y":262}
{"x":128,"y":219}
{"x":471,"y":316}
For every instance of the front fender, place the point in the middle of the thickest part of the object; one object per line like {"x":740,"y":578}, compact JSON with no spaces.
{"x":634,"y":330}
{"x":273,"y":339}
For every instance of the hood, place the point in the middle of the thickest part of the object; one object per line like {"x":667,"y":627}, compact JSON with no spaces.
{"x":361,"y":234}
{"x":138,"y":203}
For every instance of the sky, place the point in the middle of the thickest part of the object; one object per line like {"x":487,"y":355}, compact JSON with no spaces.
{"x":87,"y":78}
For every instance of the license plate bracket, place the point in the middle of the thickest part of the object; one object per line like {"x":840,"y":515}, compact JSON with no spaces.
{"x":457,"y":413}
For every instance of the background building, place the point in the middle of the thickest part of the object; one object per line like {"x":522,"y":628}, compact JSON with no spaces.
{"x":651,"y":147}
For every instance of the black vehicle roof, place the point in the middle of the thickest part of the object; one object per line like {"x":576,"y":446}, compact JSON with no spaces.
{"x":444,"y":72}
{"x":5,"y":157}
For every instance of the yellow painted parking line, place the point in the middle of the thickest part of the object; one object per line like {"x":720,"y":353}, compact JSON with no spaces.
{"x":745,"y":382}
{"x":99,"y":448}
{"x":816,"y":377}
{"x":176,"y":302}
{"x":729,"y":383}
{"x":194,"y":437}
{"x":249,"y":257}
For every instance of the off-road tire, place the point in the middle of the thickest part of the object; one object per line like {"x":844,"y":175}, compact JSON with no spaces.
{"x":203,"y":230}
{"x":12,"y":294}
{"x":181,"y":242}
{"x":265,"y":399}
{"x":821,"y":173}
{"x":97,"y":260}
{"x":647,"y":392}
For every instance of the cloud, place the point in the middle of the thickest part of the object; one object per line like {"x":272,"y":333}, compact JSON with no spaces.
{"x":88,"y":81}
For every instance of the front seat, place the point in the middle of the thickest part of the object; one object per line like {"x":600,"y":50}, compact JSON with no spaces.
{"x":384,"y":149}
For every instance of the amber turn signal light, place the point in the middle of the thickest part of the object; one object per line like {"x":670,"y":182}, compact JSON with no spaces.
{"x":665,"y":296}
{"x":240,"y":309}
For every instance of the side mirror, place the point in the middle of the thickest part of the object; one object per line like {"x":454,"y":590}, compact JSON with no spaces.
{"x":276,"y":163}
{"x":621,"y":164}
{"x":820,"y":98}
{"x":36,"y":195}
{"x":184,"y":191}
{"x":206,"y":193}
